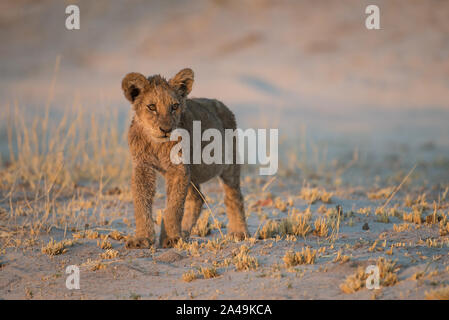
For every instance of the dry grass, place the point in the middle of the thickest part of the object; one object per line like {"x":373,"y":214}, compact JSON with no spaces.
{"x":189,"y":276}
{"x":300,"y":224}
{"x":51,"y":157}
{"x":380,"y":194}
{"x":305,"y":256}
{"x":203,"y":272}
{"x":401,"y":227}
{"x":269,"y":230}
{"x":192,"y":248}
{"x":104,"y":244}
{"x":54,"y":248}
{"x":321,"y":228}
{"x":313,"y":195}
{"x":414,"y":217}
{"x":209,"y":272}
{"x":280,"y":204}
{"x":243,"y":261}
{"x":438,"y":294}
{"x":202,"y":227}
{"x":116,"y":235}
{"x":357,"y":281}
{"x":341,"y":257}
{"x":444,"y":227}
{"x":109,"y":254}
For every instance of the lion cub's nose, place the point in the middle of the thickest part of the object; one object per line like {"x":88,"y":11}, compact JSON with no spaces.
{"x":166,"y":130}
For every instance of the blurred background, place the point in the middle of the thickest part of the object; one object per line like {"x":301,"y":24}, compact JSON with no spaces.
{"x":309,"y":68}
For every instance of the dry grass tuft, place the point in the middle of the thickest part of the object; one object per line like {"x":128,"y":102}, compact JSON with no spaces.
{"x":300,"y":224}
{"x":202,"y":227}
{"x":243,"y":261}
{"x":269,"y":230}
{"x":444,"y":227}
{"x":401,"y":227}
{"x":109,"y":254}
{"x":88,"y":234}
{"x":414,"y":217}
{"x":313,"y":195}
{"x":189,"y":276}
{"x":438,"y":294}
{"x":280,"y":204}
{"x":54,"y":248}
{"x":380,"y":194}
{"x":357,"y":281}
{"x":305,"y":256}
{"x":116,"y":235}
{"x":204,"y":272}
{"x":104,"y":244}
{"x":341,"y":257}
{"x":209,"y":272}
{"x":192,"y":248}
{"x":321,"y":228}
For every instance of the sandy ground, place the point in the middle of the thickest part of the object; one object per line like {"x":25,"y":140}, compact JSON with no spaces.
{"x":356,"y":110}
{"x":158,"y":273}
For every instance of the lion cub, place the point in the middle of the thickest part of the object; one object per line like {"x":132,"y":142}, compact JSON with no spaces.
{"x":160,"y":107}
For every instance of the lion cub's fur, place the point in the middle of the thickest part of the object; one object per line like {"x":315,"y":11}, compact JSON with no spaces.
{"x":161,"y":106}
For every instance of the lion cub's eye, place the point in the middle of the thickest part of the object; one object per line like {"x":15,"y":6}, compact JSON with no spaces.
{"x":151,"y":107}
{"x":174,"y":107}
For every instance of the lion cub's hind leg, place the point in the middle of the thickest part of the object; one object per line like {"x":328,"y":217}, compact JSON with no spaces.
{"x":192,"y":209}
{"x":233,"y":200}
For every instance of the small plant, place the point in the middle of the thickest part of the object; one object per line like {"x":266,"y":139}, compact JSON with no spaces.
{"x":109,"y":254}
{"x":243,"y":261}
{"x":354,"y":282}
{"x":382,"y":215}
{"x":205,"y":272}
{"x":300,"y":225}
{"x":209,"y":272}
{"x":89,"y":234}
{"x":341,"y":257}
{"x":321,"y":228}
{"x":444,"y":227}
{"x":305,"y":256}
{"x":280,"y":205}
{"x":189,"y":276}
{"x":104,"y":244}
{"x":54,"y":248}
{"x":438,"y":294}
{"x":414,"y":217}
{"x":116,"y":235}
{"x":313,"y":195}
{"x":192,"y":248}
{"x":357,"y":281}
{"x":269,"y":230}
{"x":401,"y":227}
{"x":202,"y":227}
{"x":135,"y":296}
{"x":380,"y":194}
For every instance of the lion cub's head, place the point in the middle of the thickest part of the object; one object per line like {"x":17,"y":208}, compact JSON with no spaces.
{"x":158,"y":103}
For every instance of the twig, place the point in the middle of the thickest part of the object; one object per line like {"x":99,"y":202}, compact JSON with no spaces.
{"x":208,"y":207}
{"x":398,"y":187}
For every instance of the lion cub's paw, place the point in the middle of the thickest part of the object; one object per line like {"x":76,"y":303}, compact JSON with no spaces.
{"x":170,"y":242}
{"x":138,"y":243}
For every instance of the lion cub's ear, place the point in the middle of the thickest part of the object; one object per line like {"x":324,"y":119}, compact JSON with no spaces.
{"x":182,"y":82}
{"x":133,"y":84}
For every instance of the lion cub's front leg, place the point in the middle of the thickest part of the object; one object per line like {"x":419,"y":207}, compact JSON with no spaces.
{"x":177,"y":179}
{"x":143,"y":183}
